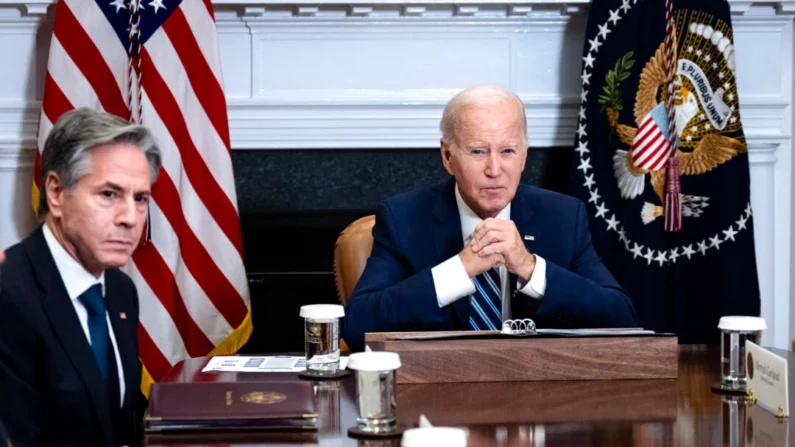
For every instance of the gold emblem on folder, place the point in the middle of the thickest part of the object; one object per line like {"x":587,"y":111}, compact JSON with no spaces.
{"x":263,"y":398}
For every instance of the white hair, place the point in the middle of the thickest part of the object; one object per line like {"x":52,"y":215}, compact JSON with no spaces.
{"x":474,"y":96}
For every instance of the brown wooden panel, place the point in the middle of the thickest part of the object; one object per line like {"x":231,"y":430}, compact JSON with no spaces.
{"x":529,"y":359}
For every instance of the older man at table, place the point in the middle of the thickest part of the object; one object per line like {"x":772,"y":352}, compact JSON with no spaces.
{"x":481,"y":248}
{"x":69,"y":368}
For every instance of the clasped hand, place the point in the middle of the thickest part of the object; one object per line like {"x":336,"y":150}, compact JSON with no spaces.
{"x":494,"y":243}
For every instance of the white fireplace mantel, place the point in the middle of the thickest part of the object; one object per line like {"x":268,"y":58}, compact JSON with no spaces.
{"x":376,"y":74}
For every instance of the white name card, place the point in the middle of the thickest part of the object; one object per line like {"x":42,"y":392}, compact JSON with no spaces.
{"x":767,"y":379}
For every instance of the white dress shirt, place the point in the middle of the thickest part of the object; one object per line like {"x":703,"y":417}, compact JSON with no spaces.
{"x":450,"y":278}
{"x":77,"y":280}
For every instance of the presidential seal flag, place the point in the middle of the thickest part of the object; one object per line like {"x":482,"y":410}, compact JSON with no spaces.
{"x":661,"y":161}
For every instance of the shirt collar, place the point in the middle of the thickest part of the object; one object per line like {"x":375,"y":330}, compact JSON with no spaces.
{"x":470,"y":220}
{"x":75,"y":277}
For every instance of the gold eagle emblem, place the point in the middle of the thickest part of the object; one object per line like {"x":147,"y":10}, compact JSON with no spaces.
{"x":263,"y":398}
{"x":703,"y":144}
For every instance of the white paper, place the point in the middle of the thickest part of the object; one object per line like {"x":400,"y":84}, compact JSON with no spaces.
{"x":276,"y":363}
{"x":767,"y":378}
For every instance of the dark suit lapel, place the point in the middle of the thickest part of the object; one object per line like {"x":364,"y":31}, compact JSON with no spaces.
{"x":61,"y":313}
{"x":447,"y":238}
{"x":124,"y":334}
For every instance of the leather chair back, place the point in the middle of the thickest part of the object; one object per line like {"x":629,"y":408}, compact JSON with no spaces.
{"x":350,"y":255}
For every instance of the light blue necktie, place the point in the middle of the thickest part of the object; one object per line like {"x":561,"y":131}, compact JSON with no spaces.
{"x":485,"y":308}
{"x":97,"y":325}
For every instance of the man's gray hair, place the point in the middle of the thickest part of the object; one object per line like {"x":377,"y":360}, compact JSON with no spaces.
{"x":67,"y":150}
{"x":475,"y":96}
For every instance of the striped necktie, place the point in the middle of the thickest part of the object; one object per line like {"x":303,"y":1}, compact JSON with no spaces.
{"x":485,"y":311}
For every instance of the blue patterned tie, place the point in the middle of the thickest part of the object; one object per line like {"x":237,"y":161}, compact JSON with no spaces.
{"x":97,"y":326}
{"x":485,"y":311}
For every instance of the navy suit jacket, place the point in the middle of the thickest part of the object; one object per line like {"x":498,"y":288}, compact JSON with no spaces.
{"x":51,"y":388}
{"x":418,"y":230}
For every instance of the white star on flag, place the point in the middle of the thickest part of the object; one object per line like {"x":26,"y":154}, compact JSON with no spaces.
{"x":661,"y":258}
{"x":581,"y":130}
{"x":582,"y":148}
{"x":134,"y":28}
{"x":119,"y":4}
{"x":589,"y":181}
{"x":588,"y":59}
{"x":585,"y":165}
{"x":157,"y":4}
{"x":649,"y":256}
{"x":729,"y":234}
{"x":674,"y":254}
{"x":612,"y":223}
{"x":601,"y":210}
{"x":584,"y":95}
{"x":604,"y":31}
{"x":715,"y":242}
{"x":614,"y":17}
{"x":595,"y":44}
{"x":748,"y":210}
{"x":625,"y":6}
{"x":585,"y":77}
{"x":594,"y":196}
{"x":741,"y":222}
{"x":702,"y":247}
{"x":636,"y":250}
{"x":622,"y":235}
{"x":688,"y":251}
{"x":582,"y":113}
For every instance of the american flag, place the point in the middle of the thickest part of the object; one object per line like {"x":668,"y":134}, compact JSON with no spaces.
{"x":650,"y":148}
{"x":156,"y":62}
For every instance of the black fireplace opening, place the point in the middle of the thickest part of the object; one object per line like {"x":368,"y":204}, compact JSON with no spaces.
{"x":293,"y":205}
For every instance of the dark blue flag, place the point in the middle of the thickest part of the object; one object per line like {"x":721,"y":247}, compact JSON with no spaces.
{"x":684,"y":281}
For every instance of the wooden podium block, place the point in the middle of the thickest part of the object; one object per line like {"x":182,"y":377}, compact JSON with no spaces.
{"x":530,"y":358}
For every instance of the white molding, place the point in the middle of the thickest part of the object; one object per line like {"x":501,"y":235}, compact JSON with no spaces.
{"x":14,"y":159}
{"x":414,"y":8}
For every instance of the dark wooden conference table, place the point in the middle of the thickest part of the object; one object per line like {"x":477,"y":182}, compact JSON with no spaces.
{"x":675,"y":412}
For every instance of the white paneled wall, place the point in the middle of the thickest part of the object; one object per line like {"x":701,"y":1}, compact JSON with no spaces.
{"x":372,"y":74}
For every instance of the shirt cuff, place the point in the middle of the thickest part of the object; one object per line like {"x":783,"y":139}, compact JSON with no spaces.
{"x":537,"y":285}
{"x":451,"y":281}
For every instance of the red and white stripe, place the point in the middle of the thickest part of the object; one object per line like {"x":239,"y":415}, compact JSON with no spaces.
{"x":190,"y":277}
{"x":650,"y":149}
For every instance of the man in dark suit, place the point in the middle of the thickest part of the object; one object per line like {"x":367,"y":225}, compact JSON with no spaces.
{"x":69,"y":368}
{"x":482,"y":249}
